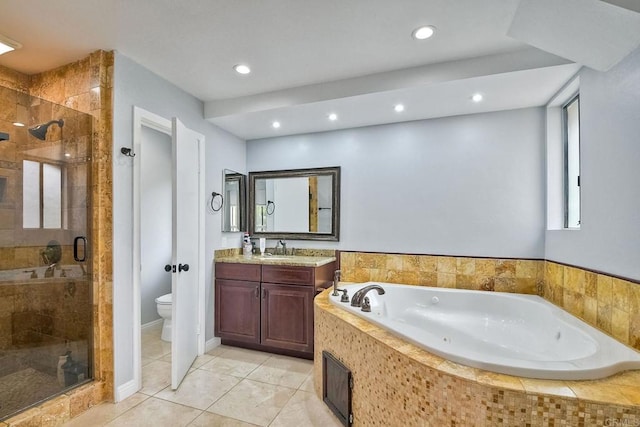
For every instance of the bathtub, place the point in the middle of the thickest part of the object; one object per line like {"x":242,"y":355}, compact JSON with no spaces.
{"x":514,"y":334}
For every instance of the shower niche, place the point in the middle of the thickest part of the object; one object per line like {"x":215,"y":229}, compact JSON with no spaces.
{"x":46,"y":301}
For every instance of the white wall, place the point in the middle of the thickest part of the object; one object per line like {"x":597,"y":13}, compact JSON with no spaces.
{"x":135,"y":85}
{"x":465,"y":185}
{"x":155,"y":210}
{"x":609,"y":235}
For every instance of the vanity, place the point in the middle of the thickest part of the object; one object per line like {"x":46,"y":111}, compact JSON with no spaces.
{"x":266,"y":303}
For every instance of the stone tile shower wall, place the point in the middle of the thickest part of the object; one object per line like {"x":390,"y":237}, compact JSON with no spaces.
{"x":608,"y":303}
{"x":86,"y":86}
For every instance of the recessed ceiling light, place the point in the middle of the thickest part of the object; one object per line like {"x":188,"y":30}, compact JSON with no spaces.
{"x":477,"y":97}
{"x":7,"y":45}
{"x":423,"y":33}
{"x":18,"y":124}
{"x":275,"y":125}
{"x":242,"y":69}
{"x":333,"y":117}
{"x":67,"y":154}
{"x":399,"y":108}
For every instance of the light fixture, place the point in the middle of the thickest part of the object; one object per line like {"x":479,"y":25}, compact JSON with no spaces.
{"x":7,"y":45}
{"x":477,"y":97}
{"x":423,"y":33}
{"x":18,"y":124}
{"x":275,"y":125}
{"x":67,"y":154}
{"x":242,"y":69}
{"x":399,"y":108}
{"x":333,"y":117}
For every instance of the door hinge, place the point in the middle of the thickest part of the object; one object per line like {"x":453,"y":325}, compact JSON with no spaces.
{"x":351,"y":383}
{"x":578,"y":180}
{"x":350,"y":419}
{"x":198,"y":330}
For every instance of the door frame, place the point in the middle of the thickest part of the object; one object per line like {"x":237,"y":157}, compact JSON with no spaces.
{"x":145,"y":118}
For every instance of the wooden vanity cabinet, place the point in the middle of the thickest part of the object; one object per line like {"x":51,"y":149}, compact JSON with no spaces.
{"x":273,"y":312}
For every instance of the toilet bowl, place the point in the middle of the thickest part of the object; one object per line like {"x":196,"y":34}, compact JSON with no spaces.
{"x":164,"y":310}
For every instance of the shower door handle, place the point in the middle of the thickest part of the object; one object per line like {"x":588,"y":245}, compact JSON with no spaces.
{"x":84,"y":249}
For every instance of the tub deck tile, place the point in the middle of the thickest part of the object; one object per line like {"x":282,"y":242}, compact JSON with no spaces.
{"x":500,"y":380}
{"x":550,"y":387}
{"x":603,"y":391}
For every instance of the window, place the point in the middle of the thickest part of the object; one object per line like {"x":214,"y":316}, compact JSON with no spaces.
{"x":41,"y":195}
{"x":571,"y":120}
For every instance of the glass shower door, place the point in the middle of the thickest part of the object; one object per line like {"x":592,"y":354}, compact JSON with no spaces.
{"x":45,"y":270}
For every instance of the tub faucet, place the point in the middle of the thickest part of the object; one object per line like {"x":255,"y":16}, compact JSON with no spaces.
{"x":356,"y":299}
{"x":336,"y":279}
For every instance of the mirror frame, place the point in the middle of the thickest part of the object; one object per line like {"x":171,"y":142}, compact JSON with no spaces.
{"x":241,"y":178}
{"x":334,"y":172}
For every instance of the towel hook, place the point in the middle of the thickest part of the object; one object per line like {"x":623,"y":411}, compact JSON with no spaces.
{"x":127,"y":152}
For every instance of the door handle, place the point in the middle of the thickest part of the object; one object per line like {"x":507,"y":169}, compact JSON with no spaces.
{"x":84,"y":249}
{"x":183,"y":267}
{"x":168,"y":268}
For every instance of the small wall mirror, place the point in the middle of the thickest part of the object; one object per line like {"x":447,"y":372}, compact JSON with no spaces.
{"x":234,"y":206}
{"x":301,"y":204}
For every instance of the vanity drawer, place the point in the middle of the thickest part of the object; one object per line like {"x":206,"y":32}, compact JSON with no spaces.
{"x":237,"y":271}
{"x":288,"y":274}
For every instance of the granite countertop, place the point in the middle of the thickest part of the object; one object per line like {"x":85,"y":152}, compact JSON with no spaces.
{"x":293,"y":260}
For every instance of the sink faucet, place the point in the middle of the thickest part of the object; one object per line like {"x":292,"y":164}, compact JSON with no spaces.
{"x":356,"y":299}
{"x":282,"y":243}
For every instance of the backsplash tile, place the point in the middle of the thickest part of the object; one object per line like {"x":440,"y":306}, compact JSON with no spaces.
{"x":608,"y":303}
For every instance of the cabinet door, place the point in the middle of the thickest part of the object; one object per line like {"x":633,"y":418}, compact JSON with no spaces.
{"x":287,"y":316}
{"x":237,"y":310}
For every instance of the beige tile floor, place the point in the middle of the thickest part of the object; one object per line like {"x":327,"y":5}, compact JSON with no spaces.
{"x":226,"y":387}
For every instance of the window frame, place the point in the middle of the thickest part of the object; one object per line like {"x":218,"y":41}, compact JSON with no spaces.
{"x":567,"y":160}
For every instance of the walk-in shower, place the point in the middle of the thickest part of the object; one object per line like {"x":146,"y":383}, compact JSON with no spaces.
{"x":45,"y":269}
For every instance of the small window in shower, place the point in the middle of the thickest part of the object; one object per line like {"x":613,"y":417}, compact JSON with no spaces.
{"x":42,"y":195}
{"x":571,"y":114}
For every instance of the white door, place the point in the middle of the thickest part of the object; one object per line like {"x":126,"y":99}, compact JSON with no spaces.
{"x":185,"y":253}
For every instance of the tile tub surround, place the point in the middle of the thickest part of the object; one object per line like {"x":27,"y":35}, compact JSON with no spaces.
{"x":399,"y":383}
{"x":86,"y":86}
{"x":605,"y":302}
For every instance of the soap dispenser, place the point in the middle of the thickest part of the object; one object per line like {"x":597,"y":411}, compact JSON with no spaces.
{"x":247,"y":247}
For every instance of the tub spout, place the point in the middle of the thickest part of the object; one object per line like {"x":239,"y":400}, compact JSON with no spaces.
{"x":336,"y":279}
{"x":356,"y":299}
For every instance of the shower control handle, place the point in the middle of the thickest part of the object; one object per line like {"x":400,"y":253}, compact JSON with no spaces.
{"x":183,"y":267}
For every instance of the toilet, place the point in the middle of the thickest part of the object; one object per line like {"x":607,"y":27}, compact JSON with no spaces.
{"x":164,"y":310}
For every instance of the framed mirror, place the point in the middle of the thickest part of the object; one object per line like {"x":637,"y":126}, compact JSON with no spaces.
{"x":300,"y":204}
{"x":234,"y":211}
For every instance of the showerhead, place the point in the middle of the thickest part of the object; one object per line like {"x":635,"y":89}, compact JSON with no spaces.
{"x":40,"y":131}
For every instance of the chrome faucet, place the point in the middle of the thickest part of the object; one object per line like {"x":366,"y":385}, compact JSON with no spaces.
{"x":356,"y":299}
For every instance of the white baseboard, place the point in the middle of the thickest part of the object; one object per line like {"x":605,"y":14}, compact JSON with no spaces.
{"x":211,"y":344}
{"x":151,"y":324}
{"x":125,"y":390}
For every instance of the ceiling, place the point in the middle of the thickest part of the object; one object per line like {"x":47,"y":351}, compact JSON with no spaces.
{"x":355,"y":58}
